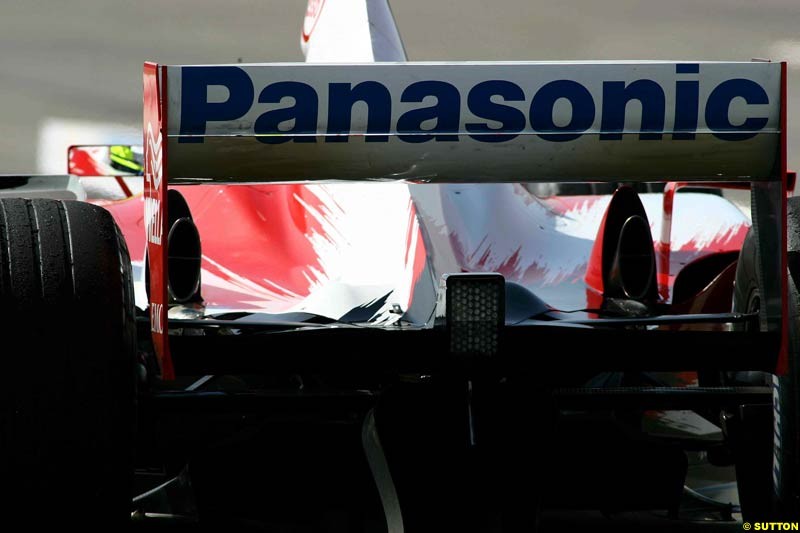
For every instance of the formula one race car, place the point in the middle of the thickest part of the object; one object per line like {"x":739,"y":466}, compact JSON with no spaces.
{"x":387,"y":296}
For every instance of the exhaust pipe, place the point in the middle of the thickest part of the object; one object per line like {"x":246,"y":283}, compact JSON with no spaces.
{"x":633,"y":267}
{"x":183,"y":255}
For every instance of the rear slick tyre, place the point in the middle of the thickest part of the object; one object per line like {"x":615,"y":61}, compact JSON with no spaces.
{"x":67,"y":416}
{"x":770,"y":487}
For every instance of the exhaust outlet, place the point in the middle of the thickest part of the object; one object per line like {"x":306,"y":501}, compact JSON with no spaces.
{"x":183,"y":255}
{"x":632,"y":271}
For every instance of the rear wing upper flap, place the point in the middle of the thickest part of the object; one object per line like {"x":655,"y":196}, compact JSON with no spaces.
{"x":469,"y":122}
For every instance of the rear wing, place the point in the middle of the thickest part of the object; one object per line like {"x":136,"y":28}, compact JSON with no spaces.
{"x":440,"y":121}
{"x":469,"y":122}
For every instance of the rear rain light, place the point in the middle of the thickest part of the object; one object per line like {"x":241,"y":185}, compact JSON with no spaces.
{"x":474,"y":313}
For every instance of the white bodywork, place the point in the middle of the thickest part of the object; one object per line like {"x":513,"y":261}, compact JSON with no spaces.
{"x":350,"y":31}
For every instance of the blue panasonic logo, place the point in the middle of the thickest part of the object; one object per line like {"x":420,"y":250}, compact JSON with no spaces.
{"x":487,"y":101}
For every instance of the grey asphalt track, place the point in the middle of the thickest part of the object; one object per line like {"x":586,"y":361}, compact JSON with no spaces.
{"x":81,"y":59}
